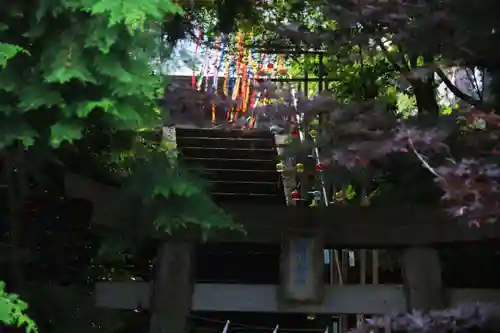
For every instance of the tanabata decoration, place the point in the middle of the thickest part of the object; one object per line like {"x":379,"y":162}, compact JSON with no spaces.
{"x":280,"y":167}
{"x":239,"y":72}
{"x":316,"y":198}
{"x":193,"y":79}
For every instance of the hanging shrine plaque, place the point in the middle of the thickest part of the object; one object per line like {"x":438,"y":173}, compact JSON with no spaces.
{"x":302,"y":266}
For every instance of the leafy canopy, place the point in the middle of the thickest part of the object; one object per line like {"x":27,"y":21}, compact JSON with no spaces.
{"x":69,"y":59}
{"x":76,"y":73}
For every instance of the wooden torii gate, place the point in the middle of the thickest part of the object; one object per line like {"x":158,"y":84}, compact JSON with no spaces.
{"x":175,"y":294}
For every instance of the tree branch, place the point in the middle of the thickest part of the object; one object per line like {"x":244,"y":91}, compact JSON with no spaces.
{"x":460,"y":94}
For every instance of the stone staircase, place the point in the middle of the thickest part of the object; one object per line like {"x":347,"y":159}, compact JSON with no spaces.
{"x":240,"y":164}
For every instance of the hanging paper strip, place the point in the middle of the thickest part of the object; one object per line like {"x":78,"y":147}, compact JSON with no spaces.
{"x":193,"y":79}
{"x":219,"y":65}
{"x":225,"y":87}
{"x":241,"y":105}
{"x":254,"y":117}
{"x":262,"y":60}
{"x":246,"y":79}
{"x":216,"y":75}
{"x":215,"y":72}
{"x":236,"y":89}
{"x":226,"y":327}
{"x":281,"y":61}
{"x":209,"y":67}
{"x":226,"y":77}
{"x":255,"y":73}
{"x":215,"y":62}
{"x":230,"y":79}
{"x":202,"y":72}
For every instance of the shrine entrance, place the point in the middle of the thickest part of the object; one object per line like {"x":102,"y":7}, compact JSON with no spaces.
{"x":303,"y":260}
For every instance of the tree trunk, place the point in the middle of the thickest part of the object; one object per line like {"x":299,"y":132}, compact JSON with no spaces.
{"x":425,"y":94}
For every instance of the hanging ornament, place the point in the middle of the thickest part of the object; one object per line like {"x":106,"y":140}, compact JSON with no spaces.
{"x":365,"y":201}
{"x":314,"y":122}
{"x":295,"y":195}
{"x":295,"y":132}
{"x":316,"y":195}
{"x":316,"y":198}
{"x":339,"y":197}
{"x":320,"y":167}
{"x":299,"y":167}
{"x":313,"y":133}
{"x":280,"y":167}
{"x":270,"y":66}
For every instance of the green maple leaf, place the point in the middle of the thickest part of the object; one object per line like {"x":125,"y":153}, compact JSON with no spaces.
{"x":65,"y":131}
{"x":33,"y":97}
{"x":16,"y":131}
{"x":184,"y":184}
{"x":12,"y":311}
{"x":123,"y":117}
{"x":134,"y":13}
{"x":85,"y":108}
{"x":115,"y":70}
{"x":63,"y":62}
{"x":114,"y":9}
{"x":126,"y":113}
{"x":68,"y":72}
{"x":101,"y":36}
{"x":7,"y":52}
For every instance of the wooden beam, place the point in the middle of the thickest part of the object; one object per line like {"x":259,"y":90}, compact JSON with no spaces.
{"x":342,"y":227}
{"x":346,"y":299}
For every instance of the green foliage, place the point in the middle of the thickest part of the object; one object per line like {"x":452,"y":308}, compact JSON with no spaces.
{"x":406,"y":104}
{"x":366,"y":78}
{"x":78,"y":85}
{"x":71,"y":59}
{"x":80,"y":67}
{"x":8,"y":51}
{"x":13,"y":311}
{"x":178,"y":197}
